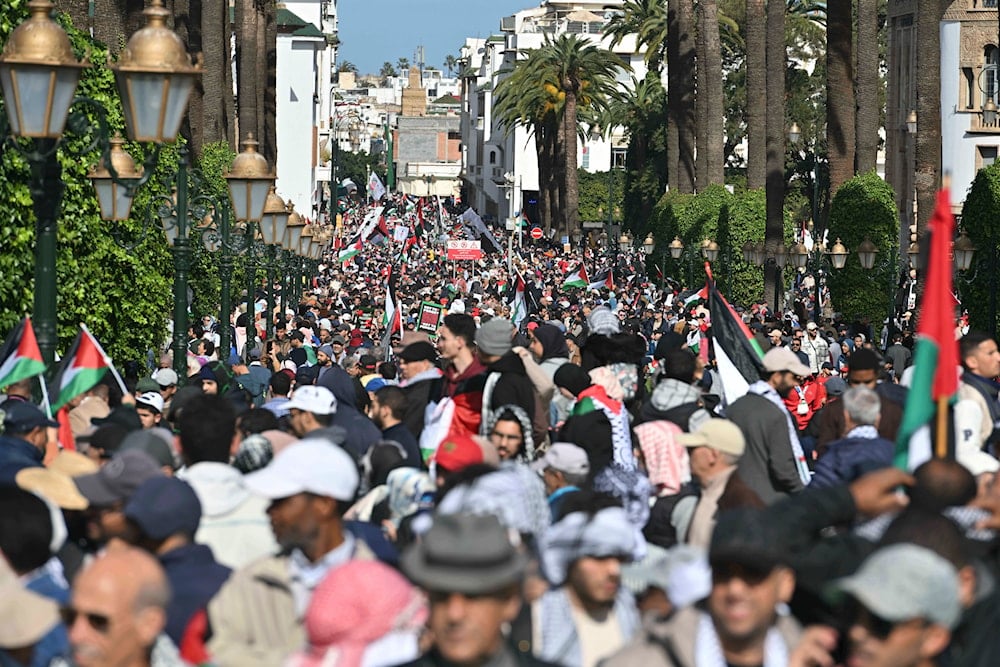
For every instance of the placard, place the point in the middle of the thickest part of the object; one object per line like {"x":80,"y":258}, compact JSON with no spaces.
{"x":464,"y":250}
{"x":429,"y":317}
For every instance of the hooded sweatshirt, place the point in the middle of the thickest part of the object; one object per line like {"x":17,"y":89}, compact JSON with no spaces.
{"x":234,"y":521}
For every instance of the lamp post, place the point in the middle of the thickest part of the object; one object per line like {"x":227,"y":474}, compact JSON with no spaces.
{"x":708,"y":249}
{"x":353,"y":119}
{"x":794,"y":137}
{"x":802,"y":258}
{"x":964,"y":251}
{"x":272,"y":232}
{"x":39,"y":75}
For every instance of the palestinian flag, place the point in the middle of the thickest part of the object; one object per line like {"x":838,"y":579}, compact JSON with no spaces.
{"x":20,"y":356}
{"x":700,"y":295}
{"x":393,"y":321}
{"x":603,"y":279}
{"x":577,"y":278}
{"x":350,"y":251}
{"x":82,"y":367}
{"x":737,"y":354}
{"x":935,"y":357}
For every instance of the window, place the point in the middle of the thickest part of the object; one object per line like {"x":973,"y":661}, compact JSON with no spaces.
{"x":618,"y":156}
{"x":990,"y":74}
{"x":985,"y":156}
{"x":586,"y":157}
{"x":968,"y":88}
{"x":989,"y":3}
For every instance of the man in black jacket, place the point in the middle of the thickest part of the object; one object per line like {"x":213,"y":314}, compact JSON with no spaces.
{"x":512,"y":387}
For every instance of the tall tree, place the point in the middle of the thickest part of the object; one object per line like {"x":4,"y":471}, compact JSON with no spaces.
{"x":928,"y":138}
{"x":774,"y":227}
{"x":756,"y":76}
{"x":840,"y":137}
{"x":585,"y":75}
{"x":867,"y":77}
{"x":647,"y":20}
{"x":680,"y":96}
{"x":709,"y":97}
{"x":115,"y":21}
{"x":450,"y":64}
{"x":268,"y":28}
{"x":248,"y":74}
{"x":217,"y":111}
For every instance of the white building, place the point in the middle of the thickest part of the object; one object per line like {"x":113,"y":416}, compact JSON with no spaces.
{"x":500,"y":170}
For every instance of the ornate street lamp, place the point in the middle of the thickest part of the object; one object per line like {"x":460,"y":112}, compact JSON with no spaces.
{"x":272,"y":223}
{"x":249,"y":180}
{"x":155,"y":77}
{"x":676,"y":248}
{"x":838,"y":255}
{"x":648,"y":245}
{"x":866,"y":254}
{"x":114,"y":193}
{"x":963,"y":250}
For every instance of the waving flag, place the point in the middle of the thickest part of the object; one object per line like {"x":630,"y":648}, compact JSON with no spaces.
{"x":393,"y":314}
{"x":935,"y":357}
{"x":375,"y":188}
{"x":577,"y":278}
{"x":350,"y":251}
{"x":603,"y":279}
{"x":519,"y":308}
{"x":82,"y":367}
{"x":20,"y":356}
{"x":737,"y":354}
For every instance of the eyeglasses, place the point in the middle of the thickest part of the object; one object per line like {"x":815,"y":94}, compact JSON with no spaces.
{"x":98,"y":622}
{"x":723,"y":573}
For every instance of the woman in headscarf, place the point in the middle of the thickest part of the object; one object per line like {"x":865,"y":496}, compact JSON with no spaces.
{"x":548,"y":345}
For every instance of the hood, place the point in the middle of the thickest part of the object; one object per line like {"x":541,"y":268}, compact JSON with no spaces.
{"x":508,"y":363}
{"x":671,"y":393}
{"x":340,"y":384}
{"x":219,"y":487}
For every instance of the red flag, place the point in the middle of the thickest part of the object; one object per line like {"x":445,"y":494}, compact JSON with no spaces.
{"x":937,"y":319}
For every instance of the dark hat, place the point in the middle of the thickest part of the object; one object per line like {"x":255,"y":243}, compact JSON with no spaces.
{"x":151,"y":442}
{"x":107,"y":438}
{"x":146,"y":384}
{"x":461,"y":553}
{"x":123,"y":415}
{"x":254,"y":353}
{"x":119,"y":479}
{"x":572,"y":378}
{"x":297,"y":335}
{"x":21,"y":417}
{"x":164,"y":506}
{"x":669,"y":341}
{"x":337,"y":340}
{"x":745,"y":537}
{"x":835,"y":386}
{"x":369,"y":363}
{"x":419,"y":351}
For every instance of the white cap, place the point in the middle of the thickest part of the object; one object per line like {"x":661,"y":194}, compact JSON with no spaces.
{"x":307,"y":466}
{"x":564,"y":457}
{"x":165,"y":377}
{"x":151,"y":399}
{"x":310,"y":398}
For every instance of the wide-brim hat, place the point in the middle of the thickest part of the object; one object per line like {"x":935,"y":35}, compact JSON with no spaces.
{"x":464,"y":554}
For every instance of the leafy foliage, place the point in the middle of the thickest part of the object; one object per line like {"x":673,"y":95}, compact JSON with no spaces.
{"x":979,"y":216}
{"x":594,"y":197}
{"x":864,"y":207}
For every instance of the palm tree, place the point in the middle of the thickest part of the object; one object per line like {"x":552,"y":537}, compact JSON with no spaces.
{"x":387,"y":71}
{"x":756,"y":77}
{"x":647,"y":20}
{"x":928,"y":139}
{"x":347,"y":66}
{"x":709,"y":97}
{"x":402,"y":64}
{"x":866,"y":122}
{"x":450,"y":64}
{"x":217,"y":112}
{"x":774,"y":227}
{"x":550,"y":91}
{"x":585,"y":75}
{"x":840,"y":93}
{"x":680,"y":96}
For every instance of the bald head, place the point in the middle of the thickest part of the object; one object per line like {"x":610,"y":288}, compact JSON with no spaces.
{"x":120,"y":604}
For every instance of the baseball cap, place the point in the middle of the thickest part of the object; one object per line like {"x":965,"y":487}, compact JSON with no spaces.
{"x":152,"y":442}
{"x":744,"y":536}
{"x":418,"y":351}
{"x":812,"y":326}
{"x":368,"y":362}
{"x":719,"y":434}
{"x":564,"y":457}
{"x":780,"y":359}
{"x":151,"y":399}
{"x":835,"y":386}
{"x":457,"y":451}
{"x":314,"y":399}
{"x":146,"y":384}
{"x":164,"y":506}
{"x":165,"y":377}
{"x":308,"y":466}
{"x":21,"y":417}
{"x":904,"y":581}
{"x":119,"y":478}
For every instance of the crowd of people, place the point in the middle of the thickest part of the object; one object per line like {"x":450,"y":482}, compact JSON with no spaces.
{"x":516,"y":473}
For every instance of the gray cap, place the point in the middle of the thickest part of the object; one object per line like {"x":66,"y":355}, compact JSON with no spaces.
{"x":903,"y":582}
{"x":495,"y":337}
{"x":118,"y":479}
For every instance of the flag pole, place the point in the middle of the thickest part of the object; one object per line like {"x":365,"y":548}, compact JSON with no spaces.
{"x":46,"y":403}
{"x":941,"y":428}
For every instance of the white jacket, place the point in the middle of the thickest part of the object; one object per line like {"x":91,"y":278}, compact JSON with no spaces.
{"x":234,"y":521}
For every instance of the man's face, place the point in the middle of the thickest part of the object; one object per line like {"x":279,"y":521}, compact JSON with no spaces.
{"x":595,"y":581}
{"x":105,"y":523}
{"x":294,"y":521}
{"x":812,"y":333}
{"x":742,"y":600}
{"x":701,"y":459}
{"x":467,"y":629}
{"x":148,"y":418}
{"x":375,"y":413}
{"x":280,"y":334}
{"x":337,"y":348}
{"x":875,"y":642}
{"x":325,"y":335}
{"x":296,"y":342}
{"x":862,"y":377}
{"x":410,"y":369}
{"x":210,"y":386}
{"x":786,"y":382}
{"x":449,"y":345}
{"x":775,"y":339}
{"x":103,"y":630}
{"x":321,"y":358}
{"x":507,"y":438}
{"x":985,"y":359}
{"x":796,"y":344}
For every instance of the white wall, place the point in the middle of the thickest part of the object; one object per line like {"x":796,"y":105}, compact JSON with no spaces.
{"x":296,"y":119}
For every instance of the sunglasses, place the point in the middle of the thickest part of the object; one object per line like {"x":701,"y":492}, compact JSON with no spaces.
{"x":723,"y":573}
{"x":98,"y":622}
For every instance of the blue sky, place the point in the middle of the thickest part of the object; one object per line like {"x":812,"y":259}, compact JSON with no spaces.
{"x":374,"y":31}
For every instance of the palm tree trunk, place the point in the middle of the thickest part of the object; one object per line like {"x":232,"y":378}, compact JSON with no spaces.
{"x":774,"y":227}
{"x":928,"y":138}
{"x":711,"y":168}
{"x":116,"y":20}
{"x":268,"y":91}
{"x":680,"y":94}
{"x":572,"y":185}
{"x":217,"y":108}
{"x":756,"y":68}
{"x":247,"y":75}
{"x":840,"y":93}
{"x":867,"y":121}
